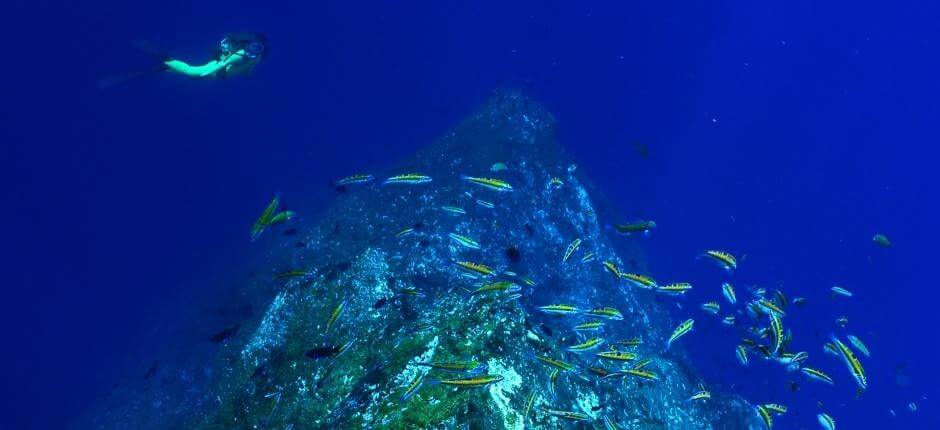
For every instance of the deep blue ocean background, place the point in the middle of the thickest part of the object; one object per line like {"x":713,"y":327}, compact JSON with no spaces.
{"x":787,"y":131}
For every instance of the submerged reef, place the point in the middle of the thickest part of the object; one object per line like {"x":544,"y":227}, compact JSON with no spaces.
{"x":378,"y":290}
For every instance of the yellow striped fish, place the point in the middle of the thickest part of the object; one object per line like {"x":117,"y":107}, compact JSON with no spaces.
{"x":765,"y":416}
{"x":408,"y":178}
{"x":493,"y":184}
{"x":852,"y":363}
{"x":335,"y":315}
{"x":711,"y":307}
{"x":728,"y":291}
{"x":859,"y":345}
{"x":589,"y":326}
{"x":571,"y":249}
{"x":741,"y":352}
{"x":817,"y":375}
{"x":475,"y":268}
{"x":608,"y":313}
{"x":675,"y":289}
{"x":561,"y":309}
{"x":681,"y":330}
{"x":776,"y":327}
{"x":615,"y":355}
{"x":587,"y":345}
{"x":464,"y":240}
{"x":470,"y":382}
{"x":639,"y":281}
{"x":612,"y":268}
{"x":724,"y":259}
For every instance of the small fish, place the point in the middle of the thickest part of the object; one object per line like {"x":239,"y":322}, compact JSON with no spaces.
{"x":842,"y":321}
{"x":404,"y":232}
{"x":675,"y":289}
{"x":711,"y":307}
{"x":642,"y":363}
{"x":881,"y":240}
{"x":840,"y":291}
{"x":470,"y":382}
{"x":770,"y":307}
{"x":556,"y":182}
{"x":411,"y":292}
{"x":858,"y":344}
{"x":335,"y":315}
{"x":486,"y":204}
{"x":413,"y":387}
{"x":830,"y":348}
{"x":354,"y":179}
{"x":681,"y":330}
{"x":498,"y":167}
{"x":701,"y":395}
{"x":643,"y":374}
{"x":513,"y":296}
{"x":528,"y":281}
{"x":464,"y":241}
{"x":635,"y":227}
{"x":728,"y":320}
{"x":560,"y":309}
{"x":281,"y":217}
{"x":454,"y":210}
{"x":609,"y":424}
{"x":342,"y":349}
{"x":568,"y":415}
{"x":567,"y":367}
{"x":497,"y":287}
{"x":589,"y":326}
{"x":493,"y":184}
{"x":640,"y":281}
{"x":474,"y":268}
{"x":799,"y":301}
{"x":530,"y":401}
{"x":724,"y":259}
{"x":817,"y":375}
{"x":608,"y":313}
{"x":612,"y":268}
{"x":776,"y":327}
{"x":616,"y":355}
{"x":589,"y":257}
{"x":587,"y":345}
{"x":571,"y":249}
{"x":851,"y":362}
{"x":912,"y":407}
{"x":765,"y":415}
{"x":633,"y":341}
{"x":741,"y":352}
{"x":296,"y":273}
{"x":471,"y":367}
{"x":776,"y":408}
{"x":408,"y":178}
{"x":321,"y":352}
{"x":728,"y":291}
{"x":826,"y":421}
{"x":264,"y":220}
{"x":552,"y":377}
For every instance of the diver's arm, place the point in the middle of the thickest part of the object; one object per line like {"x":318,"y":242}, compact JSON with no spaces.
{"x":209,"y":69}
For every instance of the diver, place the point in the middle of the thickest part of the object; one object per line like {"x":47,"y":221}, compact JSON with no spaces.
{"x":236,"y":54}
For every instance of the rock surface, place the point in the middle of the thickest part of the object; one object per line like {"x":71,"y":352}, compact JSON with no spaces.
{"x":265,"y":379}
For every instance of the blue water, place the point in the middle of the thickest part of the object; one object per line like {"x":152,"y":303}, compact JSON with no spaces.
{"x":787,"y":131}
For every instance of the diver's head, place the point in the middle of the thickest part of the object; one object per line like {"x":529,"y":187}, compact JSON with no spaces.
{"x":255,"y":45}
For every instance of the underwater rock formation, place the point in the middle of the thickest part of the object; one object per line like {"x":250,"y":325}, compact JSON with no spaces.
{"x":338,"y":346}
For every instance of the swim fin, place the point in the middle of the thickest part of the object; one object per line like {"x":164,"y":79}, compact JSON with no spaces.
{"x":112,"y":81}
